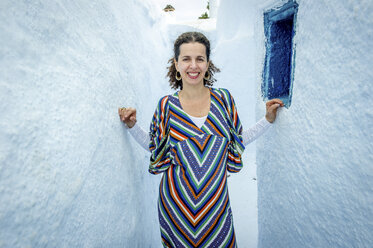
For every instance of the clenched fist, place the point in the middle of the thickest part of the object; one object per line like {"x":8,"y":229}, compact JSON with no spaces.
{"x":128,"y":116}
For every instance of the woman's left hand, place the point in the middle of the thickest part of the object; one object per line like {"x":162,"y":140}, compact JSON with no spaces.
{"x":272,"y":106}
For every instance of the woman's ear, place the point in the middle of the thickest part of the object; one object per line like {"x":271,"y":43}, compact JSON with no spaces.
{"x":176,"y":65}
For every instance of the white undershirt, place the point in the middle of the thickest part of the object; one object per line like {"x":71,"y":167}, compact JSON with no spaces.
{"x":199,"y":121}
{"x":248,"y":136}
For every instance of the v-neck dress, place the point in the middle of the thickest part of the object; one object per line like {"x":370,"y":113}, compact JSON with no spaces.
{"x":193,"y":204}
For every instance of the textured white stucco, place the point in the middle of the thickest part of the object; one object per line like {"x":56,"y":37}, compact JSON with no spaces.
{"x":315,"y":167}
{"x":69,"y":175}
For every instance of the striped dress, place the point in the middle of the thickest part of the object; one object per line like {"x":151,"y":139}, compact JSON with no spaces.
{"x":193,"y":204}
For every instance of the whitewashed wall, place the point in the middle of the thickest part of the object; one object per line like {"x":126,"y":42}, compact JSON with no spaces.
{"x":213,"y":8}
{"x":315,"y":167}
{"x":69,"y":174}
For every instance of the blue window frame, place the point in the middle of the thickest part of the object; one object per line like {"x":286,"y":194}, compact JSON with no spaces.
{"x":278,"y":72}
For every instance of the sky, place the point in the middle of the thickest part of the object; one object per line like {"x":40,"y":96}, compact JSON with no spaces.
{"x":185,"y":10}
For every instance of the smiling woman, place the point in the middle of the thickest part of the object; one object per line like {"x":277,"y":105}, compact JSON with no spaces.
{"x":196,"y":138}
{"x":192,"y":70}
{"x":191,"y":61}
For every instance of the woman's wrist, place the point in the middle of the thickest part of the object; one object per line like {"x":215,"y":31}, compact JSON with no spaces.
{"x":269,"y":119}
{"x":264,"y":121}
{"x":130,"y":126}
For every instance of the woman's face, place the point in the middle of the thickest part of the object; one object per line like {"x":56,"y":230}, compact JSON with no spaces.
{"x":192,"y":63}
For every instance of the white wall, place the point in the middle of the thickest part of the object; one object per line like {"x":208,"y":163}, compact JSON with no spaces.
{"x":69,"y":174}
{"x":213,"y":8}
{"x":315,"y":167}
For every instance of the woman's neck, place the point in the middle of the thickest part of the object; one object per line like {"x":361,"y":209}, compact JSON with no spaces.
{"x":193,"y":92}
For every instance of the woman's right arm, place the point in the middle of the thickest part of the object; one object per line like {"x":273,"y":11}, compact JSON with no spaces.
{"x":141,"y":137}
{"x":128,"y":116}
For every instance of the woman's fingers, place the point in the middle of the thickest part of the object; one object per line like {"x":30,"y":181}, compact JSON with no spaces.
{"x":121,"y":113}
{"x":127,"y":115}
{"x":274,"y":101}
{"x":130,"y":111}
{"x":272,"y":106}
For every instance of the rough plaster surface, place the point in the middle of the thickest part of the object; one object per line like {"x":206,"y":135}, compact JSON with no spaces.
{"x":315,"y":170}
{"x":69,"y":176}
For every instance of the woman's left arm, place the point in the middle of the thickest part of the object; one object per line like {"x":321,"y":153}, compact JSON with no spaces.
{"x":263,"y":124}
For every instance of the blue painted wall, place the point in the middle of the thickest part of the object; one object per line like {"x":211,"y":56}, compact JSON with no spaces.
{"x":279,"y":28}
{"x":280,"y":59}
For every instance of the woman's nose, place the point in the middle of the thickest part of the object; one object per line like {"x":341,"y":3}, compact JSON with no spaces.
{"x":193,"y":63}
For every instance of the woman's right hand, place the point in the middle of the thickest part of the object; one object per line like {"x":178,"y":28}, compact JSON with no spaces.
{"x":128,"y":116}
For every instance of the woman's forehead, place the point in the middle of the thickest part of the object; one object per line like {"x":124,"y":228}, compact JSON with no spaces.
{"x":193,"y":48}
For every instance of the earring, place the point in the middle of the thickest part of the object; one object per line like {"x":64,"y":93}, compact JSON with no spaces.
{"x":208,"y":76}
{"x":178,"y":77}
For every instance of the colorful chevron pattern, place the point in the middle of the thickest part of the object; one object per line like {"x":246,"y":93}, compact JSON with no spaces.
{"x":193,"y":206}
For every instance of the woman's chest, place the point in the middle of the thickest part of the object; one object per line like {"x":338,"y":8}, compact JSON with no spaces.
{"x":196,"y":108}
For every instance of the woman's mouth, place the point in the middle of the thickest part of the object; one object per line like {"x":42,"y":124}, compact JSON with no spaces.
{"x":193,"y":75}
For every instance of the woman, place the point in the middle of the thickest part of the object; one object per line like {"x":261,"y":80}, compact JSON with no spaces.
{"x":195,"y":138}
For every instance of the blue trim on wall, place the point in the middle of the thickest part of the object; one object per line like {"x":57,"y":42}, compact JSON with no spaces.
{"x":278,"y":72}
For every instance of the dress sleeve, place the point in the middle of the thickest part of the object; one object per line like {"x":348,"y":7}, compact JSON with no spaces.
{"x":159,"y":144}
{"x":235,"y":146}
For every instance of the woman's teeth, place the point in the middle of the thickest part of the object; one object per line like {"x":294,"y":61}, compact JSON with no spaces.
{"x":193,"y":74}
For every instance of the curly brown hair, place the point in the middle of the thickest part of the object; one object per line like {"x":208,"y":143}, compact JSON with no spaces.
{"x":190,"y":37}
